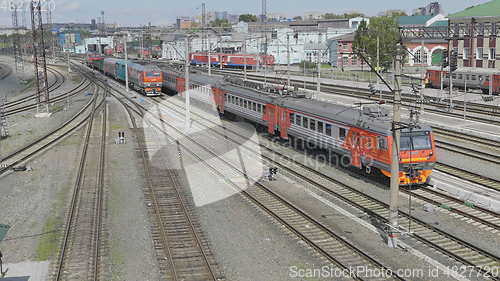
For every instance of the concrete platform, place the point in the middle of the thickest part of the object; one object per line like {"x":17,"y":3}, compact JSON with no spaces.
{"x":473,"y":193}
{"x":457,"y":95}
{"x":27,"y":271}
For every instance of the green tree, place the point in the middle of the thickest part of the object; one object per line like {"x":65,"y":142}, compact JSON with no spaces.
{"x":220,"y":23}
{"x":248,"y":18}
{"x":386,"y":30}
{"x":330,"y":16}
{"x":393,"y":13}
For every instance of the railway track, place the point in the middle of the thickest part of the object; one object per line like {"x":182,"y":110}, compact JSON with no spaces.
{"x":59,"y":80}
{"x":82,"y":86}
{"x":493,"y":112}
{"x":39,"y":145}
{"x":319,"y":237}
{"x":449,"y":245}
{"x":181,"y":248}
{"x":457,"y":249}
{"x":81,"y":246}
{"x":6,"y":73}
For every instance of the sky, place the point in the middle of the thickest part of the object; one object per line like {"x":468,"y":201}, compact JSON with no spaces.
{"x":163,"y":12}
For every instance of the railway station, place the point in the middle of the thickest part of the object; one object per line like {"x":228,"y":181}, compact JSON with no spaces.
{"x":259,"y":141}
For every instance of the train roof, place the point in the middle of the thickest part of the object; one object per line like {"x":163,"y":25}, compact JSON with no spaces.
{"x":367,"y":117}
{"x":135,"y":65}
{"x":473,"y":70}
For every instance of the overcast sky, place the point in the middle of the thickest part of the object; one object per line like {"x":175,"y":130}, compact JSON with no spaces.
{"x":161,"y":12}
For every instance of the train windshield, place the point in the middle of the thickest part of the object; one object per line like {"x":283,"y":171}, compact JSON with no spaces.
{"x":415,"y":141}
{"x":153,"y":74}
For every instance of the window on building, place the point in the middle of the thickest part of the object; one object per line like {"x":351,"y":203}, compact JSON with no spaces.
{"x":493,"y":53}
{"x":328,"y":129}
{"x":466,"y":53}
{"x":345,"y":60}
{"x":354,"y":60}
{"x":479,"y":53}
{"x":420,"y":56}
{"x":342,"y":133}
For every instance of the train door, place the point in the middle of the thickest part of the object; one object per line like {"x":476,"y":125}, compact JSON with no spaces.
{"x":270,"y":115}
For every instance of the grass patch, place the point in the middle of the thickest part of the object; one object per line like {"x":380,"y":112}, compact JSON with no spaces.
{"x":115,"y":127}
{"x":47,"y":244}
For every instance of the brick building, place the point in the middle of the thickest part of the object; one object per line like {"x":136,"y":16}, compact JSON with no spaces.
{"x":425,"y":52}
{"x":475,"y":35}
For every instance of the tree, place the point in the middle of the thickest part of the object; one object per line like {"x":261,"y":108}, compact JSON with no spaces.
{"x":386,"y":29}
{"x":393,"y":13}
{"x":248,"y":18}
{"x":220,"y":23}
{"x":330,"y":16}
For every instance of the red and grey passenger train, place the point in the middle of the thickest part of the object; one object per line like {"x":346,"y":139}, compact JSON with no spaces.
{"x":473,"y":78}
{"x":363,"y":137}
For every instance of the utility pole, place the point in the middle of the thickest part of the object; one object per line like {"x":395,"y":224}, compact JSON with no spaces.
{"x":423,"y":84}
{"x":18,"y":54}
{"x":186,"y":86}
{"x":393,"y":233}
{"x":203,"y":27}
{"x":378,"y":67}
{"x":245,"y":67}
{"x":126,"y":62}
{"x":210,"y":60}
{"x":318,"y":82}
{"x":39,"y":56}
{"x":288,"y":59}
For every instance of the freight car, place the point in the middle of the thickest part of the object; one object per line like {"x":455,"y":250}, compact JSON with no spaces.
{"x":472,"y":78}
{"x":145,"y":78}
{"x":362,"y":137}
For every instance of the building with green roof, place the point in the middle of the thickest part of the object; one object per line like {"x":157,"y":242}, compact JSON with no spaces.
{"x":489,"y":9}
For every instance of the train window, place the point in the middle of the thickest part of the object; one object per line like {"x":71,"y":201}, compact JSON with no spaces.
{"x":342,"y":133}
{"x":328,"y":129}
{"x":320,"y":127}
{"x":382,"y":143}
{"x":460,"y":77}
{"x":473,"y":77}
{"x":241,"y":102}
{"x":245,"y":104}
{"x":467,"y":77}
{"x":259,"y":108}
{"x":305,"y":122}
{"x":254,"y":106}
{"x":298,"y":119}
{"x":454,"y":76}
{"x":312,"y":124}
{"x":292,"y":118}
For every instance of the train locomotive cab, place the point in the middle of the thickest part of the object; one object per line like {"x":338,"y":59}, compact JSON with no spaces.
{"x":417,"y":157}
{"x":152,"y":82}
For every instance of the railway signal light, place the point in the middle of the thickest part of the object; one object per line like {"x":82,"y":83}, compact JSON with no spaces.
{"x":453,"y":61}
{"x":446,"y":59}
